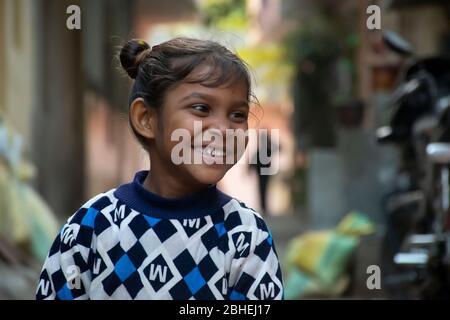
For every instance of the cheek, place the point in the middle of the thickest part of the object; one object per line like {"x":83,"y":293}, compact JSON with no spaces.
{"x":182,"y":132}
{"x":242,"y":128}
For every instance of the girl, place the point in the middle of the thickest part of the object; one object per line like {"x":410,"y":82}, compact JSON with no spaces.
{"x":170,"y":233}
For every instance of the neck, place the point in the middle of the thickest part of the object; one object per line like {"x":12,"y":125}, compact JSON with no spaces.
{"x":167,"y":182}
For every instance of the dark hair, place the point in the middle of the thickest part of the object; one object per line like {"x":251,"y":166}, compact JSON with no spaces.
{"x":158,"y":68}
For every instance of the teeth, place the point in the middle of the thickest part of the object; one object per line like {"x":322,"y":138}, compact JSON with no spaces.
{"x":210,"y":151}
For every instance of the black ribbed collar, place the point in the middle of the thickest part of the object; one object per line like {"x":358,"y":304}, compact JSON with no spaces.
{"x":199,"y":204}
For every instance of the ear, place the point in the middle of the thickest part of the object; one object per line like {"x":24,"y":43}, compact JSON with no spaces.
{"x":143,"y":118}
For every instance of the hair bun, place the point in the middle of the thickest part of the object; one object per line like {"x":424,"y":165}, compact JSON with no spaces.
{"x":131,"y":57}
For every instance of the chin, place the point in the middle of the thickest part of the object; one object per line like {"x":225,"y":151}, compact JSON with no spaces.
{"x":206,"y":174}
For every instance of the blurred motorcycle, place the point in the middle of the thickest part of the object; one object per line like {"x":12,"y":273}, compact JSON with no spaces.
{"x":416,"y":248}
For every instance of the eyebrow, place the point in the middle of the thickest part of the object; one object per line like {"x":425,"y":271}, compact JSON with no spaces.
{"x":211,"y":97}
{"x":198,"y":95}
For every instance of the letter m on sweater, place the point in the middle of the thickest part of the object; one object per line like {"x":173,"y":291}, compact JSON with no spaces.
{"x":192,"y":223}
{"x":67,"y":235}
{"x":119,"y":213}
{"x":242,"y":242}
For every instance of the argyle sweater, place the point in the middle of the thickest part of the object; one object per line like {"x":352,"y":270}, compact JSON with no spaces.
{"x":129,"y":243}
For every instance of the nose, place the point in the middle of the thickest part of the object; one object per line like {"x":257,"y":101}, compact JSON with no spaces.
{"x":219,"y":122}
{"x":218,"y":128}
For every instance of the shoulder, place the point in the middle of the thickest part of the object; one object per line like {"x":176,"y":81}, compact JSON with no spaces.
{"x":89,"y":210}
{"x":239,"y":216}
{"x":91,"y":217}
{"x":247,"y":231}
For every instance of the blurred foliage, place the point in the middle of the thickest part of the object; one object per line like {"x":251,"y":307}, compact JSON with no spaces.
{"x":314,"y":39}
{"x":323,"y":39}
{"x":323,"y":49}
{"x":267,"y":60}
{"x":224,"y":14}
{"x":299,"y":190}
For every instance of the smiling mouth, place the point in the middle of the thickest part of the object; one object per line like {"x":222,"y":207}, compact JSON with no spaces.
{"x":212,"y":152}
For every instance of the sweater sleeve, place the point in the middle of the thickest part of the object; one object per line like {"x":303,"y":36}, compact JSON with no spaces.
{"x":66,"y":274}
{"x":256,"y":272}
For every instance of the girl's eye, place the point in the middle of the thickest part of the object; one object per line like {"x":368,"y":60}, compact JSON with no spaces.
{"x":201,"y":108}
{"x":239,"y":116}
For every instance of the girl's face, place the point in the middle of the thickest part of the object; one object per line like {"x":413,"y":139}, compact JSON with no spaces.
{"x":216,"y":109}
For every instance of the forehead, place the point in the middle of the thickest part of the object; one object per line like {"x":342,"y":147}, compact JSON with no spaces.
{"x":204,"y":79}
{"x":231,"y":93}
{"x":216,"y":75}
